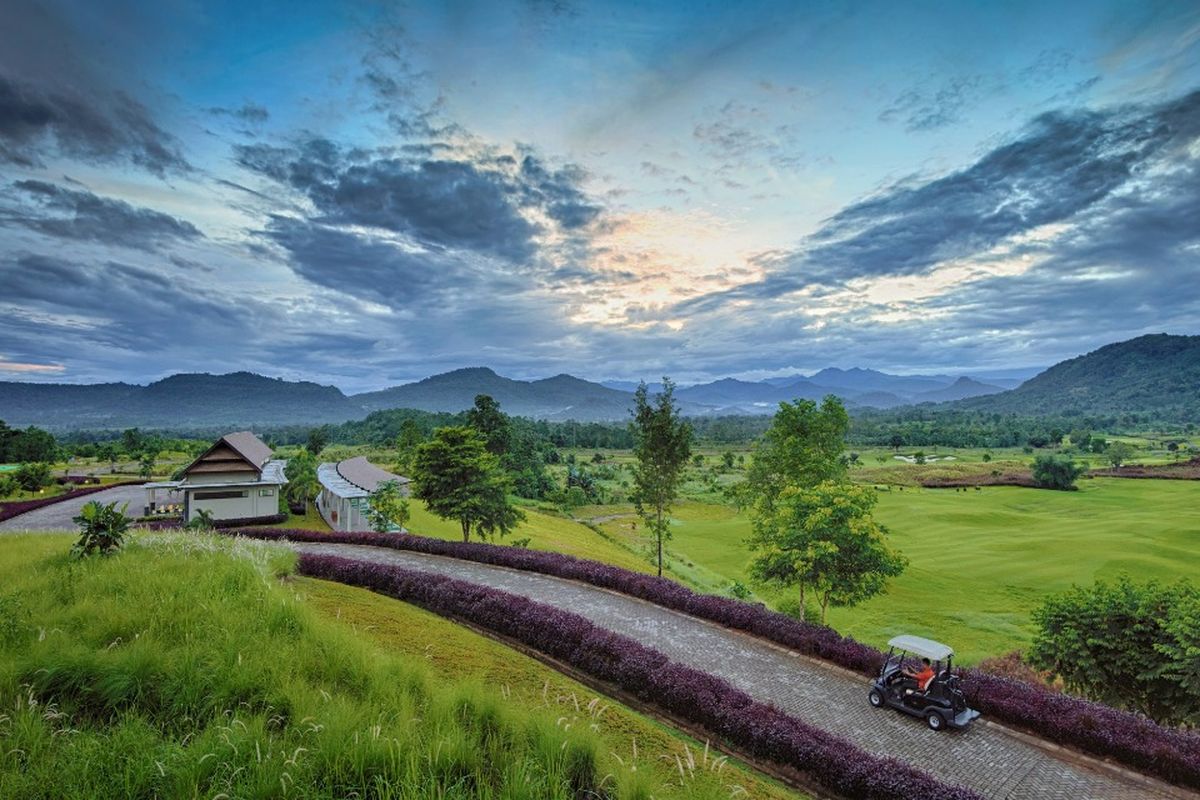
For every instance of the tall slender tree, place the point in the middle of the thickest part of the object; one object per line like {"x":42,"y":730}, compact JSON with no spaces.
{"x":663,"y":444}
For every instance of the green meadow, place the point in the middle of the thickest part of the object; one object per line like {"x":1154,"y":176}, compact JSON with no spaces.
{"x":980,"y":561}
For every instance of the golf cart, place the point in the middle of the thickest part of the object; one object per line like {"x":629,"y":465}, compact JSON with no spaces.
{"x":937,"y":698}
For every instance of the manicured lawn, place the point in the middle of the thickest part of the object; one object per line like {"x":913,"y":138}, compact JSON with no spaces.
{"x":980,"y":562}
{"x":544,"y":531}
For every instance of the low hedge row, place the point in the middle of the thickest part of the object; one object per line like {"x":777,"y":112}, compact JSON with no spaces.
{"x":698,"y":697}
{"x":274,"y":519}
{"x":1097,"y":729}
{"x":18,"y":507}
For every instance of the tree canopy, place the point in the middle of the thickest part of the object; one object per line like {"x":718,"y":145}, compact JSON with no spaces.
{"x":459,"y":479}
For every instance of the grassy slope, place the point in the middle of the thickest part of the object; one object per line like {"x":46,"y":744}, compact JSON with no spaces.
{"x":636,"y":743}
{"x":181,"y":668}
{"x":980,"y":561}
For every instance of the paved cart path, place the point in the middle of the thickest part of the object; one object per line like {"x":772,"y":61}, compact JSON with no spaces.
{"x":58,"y":516}
{"x":985,"y":758}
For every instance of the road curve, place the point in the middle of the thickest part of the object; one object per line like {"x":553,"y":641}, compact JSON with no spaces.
{"x":985,"y":758}
{"x":58,"y":516}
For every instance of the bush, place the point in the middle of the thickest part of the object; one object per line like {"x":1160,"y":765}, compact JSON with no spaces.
{"x":759,"y":729}
{"x":1093,"y":728}
{"x":101,"y":528}
{"x":1056,"y":472}
{"x":33,"y":476}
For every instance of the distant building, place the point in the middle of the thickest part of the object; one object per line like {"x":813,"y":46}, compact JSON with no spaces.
{"x":236,"y":478}
{"x":346,"y":489}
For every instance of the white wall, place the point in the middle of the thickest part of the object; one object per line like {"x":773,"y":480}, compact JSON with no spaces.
{"x":254,"y":504}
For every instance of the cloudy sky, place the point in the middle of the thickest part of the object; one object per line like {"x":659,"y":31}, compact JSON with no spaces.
{"x":368,"y":193}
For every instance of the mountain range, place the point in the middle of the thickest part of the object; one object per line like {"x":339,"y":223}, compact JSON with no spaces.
{"x":1157,"y":373}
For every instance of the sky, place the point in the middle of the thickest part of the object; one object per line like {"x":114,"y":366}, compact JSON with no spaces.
{"x":368,"y":193}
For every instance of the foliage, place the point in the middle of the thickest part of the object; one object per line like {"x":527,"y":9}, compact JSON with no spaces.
{"x":1127,"y":645}
{"x":1056,"y":472}
{"x":492,"y":423}
{"x":202,"y":520}
{"x":29,"y":445}
{"x":407,"y":439}
{"x":459,"y":479}
{"x":318,"y":440}
{"x":146,"y":464}
{"x":803,"y":447}
{"x":301,"y":473}
{"x":388,"y":508}
{"x":1118,"y":453}
{"x":101,"y":528}
{"x":33,"y":476}
{"x":684,"y":692}
{"x":663,"y":443}
{"x":825,"y":539}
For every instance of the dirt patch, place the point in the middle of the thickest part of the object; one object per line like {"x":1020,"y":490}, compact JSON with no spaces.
{"x":1183,"y":471}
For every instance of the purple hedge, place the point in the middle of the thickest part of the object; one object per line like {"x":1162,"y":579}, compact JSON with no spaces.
{"x":698,"y":697}
{"x":1093,"y":728}
{"x":18,"y":507}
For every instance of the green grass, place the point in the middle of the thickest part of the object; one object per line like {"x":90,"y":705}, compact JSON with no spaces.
{"x":183,"y":667}
{"x":980,"y":561}
{"x":635,"y":744}
{"x":544,"y":531}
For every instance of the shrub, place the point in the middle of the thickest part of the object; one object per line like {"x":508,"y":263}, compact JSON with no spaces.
{"x":33,"y":476}
{"x":759,"y":729}
{"x":1091,"y":727}
{"x":1056,"y":472}
{"x":101,"y":528}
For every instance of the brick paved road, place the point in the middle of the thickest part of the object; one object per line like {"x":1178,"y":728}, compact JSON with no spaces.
{"x":57,"y":516}
{"x":985,"y":758}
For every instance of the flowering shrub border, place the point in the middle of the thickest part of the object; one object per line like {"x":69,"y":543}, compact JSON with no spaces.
{"x":700,"y":698}
{"x":16,"y":508}
{"x":1093,"y":728}
{"x":274,"y":519}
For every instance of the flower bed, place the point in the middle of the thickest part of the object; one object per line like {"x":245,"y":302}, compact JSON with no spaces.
{"x":1091,"y":727}
{"x":18,"y":507}
{"x":686,"y":693}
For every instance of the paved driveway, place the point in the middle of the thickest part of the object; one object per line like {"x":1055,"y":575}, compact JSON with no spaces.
{"x":986,"y":758}
{"x":57,"y":516}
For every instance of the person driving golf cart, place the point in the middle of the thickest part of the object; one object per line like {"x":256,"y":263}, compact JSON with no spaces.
{"x":927,"y":689}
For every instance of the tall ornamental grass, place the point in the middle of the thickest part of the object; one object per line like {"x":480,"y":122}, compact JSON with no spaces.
{"x":182,"y":667}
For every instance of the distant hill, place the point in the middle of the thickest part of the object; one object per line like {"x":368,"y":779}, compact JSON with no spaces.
{"x":1158,"y":374}
{"x":560,"y":397}
{"x":962,"y":388}
{"x":180,"y":401}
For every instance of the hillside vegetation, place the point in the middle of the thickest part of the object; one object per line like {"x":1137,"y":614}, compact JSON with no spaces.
{"x":182,"y":668}
{"x":1157,"y":376}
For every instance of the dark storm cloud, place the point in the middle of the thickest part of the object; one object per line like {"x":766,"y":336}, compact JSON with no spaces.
{"x":473,"y":204}
{"x":36,"y":121}
{"x":81,"y":215}
{"x":1062,"y":165}
{"x":361,"y":266}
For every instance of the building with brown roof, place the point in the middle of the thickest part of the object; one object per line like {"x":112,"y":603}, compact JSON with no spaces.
{"x":234,"y":479}
{"x":346,"y":489}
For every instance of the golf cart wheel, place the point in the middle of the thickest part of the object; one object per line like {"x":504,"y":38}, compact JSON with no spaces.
{"x":935,"y":721}
{"x":875,"y":698}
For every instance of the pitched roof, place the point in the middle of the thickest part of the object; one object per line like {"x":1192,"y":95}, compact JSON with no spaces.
{"x":232,"y":452}
{"x":365,"y":475}
{"x":249,"y":447}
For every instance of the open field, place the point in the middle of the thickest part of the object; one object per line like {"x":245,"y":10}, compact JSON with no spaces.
{"x":183,"y":667}
{"x":980,"y":562}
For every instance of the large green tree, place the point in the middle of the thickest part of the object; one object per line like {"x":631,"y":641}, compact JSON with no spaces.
{"x":459,"y":479}
{"x":492,"y":423}
{"x":663,"y":444}
{"x":824,"y":539}
{"x":802,"y":448}
{"x":1056,"y":472}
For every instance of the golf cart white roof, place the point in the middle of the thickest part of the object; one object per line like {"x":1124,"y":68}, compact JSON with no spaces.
{"x":925,"y":648}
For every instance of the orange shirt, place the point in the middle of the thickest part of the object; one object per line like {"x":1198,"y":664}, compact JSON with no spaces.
{"x":924,"y":677}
